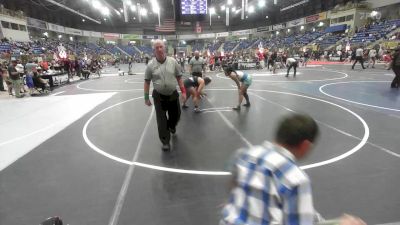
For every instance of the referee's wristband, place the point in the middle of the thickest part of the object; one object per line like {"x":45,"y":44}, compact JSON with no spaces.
{"x":146,"y":96}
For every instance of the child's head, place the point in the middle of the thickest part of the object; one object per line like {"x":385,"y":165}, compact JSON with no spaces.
{"x":207,"y":80}
{"x":228,"y":70}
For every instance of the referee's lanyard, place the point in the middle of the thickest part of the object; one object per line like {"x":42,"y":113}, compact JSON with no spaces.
{"x":162,"y":71}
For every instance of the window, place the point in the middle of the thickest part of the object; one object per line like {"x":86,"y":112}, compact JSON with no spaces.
{"x":342,"y":19}
{"x":5,"y":24}
{"x":22,"y":27}
{"x":334,"y":20}
{"x":349,"y":17}
{"x":14,"y":26}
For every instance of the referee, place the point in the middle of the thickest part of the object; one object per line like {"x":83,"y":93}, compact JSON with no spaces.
{"x":165,"y":73}
{"x":196,"y":65}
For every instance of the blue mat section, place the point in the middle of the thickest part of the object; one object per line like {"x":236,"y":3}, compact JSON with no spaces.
{"x":372,"y":93}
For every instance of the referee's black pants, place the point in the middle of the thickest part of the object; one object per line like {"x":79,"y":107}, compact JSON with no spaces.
{"x":168,"y":112}
{"x":359,"y":59}
{"x":294,"y":65}
{"x":396,"y":80}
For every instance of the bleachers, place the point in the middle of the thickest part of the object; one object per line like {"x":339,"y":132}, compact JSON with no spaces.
{"x":374,"y":32}
{"x":328,"y":40}
{"x":198,"y":46}
{"x":245,"y":44}
{"x":213,"y":47}
{"x":129,"y":49}
{"x":146,"y":49}
{"x":229,"y":45}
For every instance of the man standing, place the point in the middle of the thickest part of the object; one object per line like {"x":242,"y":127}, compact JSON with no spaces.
{"x":15,"y":78}
{"x":359,"y":58}
{"x":130,"y":65}
{"x":372,"y":57}
{"x":165,"y":73}
{"x":269,"y":187}
{"x":196,"y":65}
{"x":291,"y":62}
{"x":396,"y":68}
{"x":1,"y":79}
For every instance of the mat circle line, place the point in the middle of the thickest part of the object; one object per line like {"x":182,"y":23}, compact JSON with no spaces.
{"x":304,"y":81}
{"x":224,"y":173}
{"x":358,"y":103}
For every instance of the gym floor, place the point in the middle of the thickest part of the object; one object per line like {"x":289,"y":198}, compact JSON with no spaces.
{"x":90,"y":152}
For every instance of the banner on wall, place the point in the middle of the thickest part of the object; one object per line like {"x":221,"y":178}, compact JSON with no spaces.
{"x":295,"y":23}
{"x":209,"y":35}
{"x":73,"y":31}
{"x":132,"y":36}
{"x":56,"y":28}
{"x":222,"y":34}
{"x":86,"y":33}
{"x":96,"y":34}
{"x":263,"y":29}
{"x":170,"y":37}
{"x":316,"y":17}
{"x":151,"y":37}
{"x":36,"y":23}
{"x":241,"y":32}
{"x":187,"y":36}
{"x":111,"y":35}
{"x":278,"y":26}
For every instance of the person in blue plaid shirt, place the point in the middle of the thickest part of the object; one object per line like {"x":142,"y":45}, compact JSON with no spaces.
{"x":269,"y":187}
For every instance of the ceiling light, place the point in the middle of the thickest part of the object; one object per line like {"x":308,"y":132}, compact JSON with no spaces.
{"x":261,"y":3}
{"x":212,"y":10}
{"x":46,"y":34}
{"x":313,"y":29}
{"x":156,"y":8}
{"x":266,"y":17}
{"x":60,"y":36}
{"x":96,"y":4}
{"x":222,"y":7}
{"x":229,"y":2}
{"x":143,"y":12}
{"x":233,"y":8}
{"x":133,"y":8}
{"x":83,"y":20}
{"x":128,"y":2}
{"x":105,"y":19}
{"x":121,"y":10}
{"x":321,"y":24}
{"x":219,"y":17}
{"x":288,"y":30}
{"x":302,"y":28}
{"x":71,"y":38}
{"x":105,"y":11}
{"x":250,"y":9}
{"x":134,"y":18}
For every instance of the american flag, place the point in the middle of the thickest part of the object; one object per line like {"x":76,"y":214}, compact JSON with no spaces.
{"x":168,"y":25}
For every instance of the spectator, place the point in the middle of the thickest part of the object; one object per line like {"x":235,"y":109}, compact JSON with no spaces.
{"x":268,"y":185}
{"x":396,"y":68}
{"x":196,"y":65}
{"x":15,"y":78}
{"x":2,"y":78}
{"x":30,"y":69}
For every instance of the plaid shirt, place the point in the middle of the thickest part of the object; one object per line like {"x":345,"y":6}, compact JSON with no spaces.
{"x":270,"y":189}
